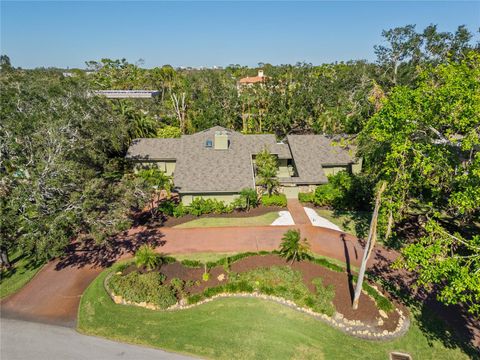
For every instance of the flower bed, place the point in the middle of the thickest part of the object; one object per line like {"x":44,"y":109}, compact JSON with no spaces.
{"x":307,"y":286}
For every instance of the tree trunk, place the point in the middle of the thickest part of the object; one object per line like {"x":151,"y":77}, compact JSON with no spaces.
{"x":372,"y":237}
{"x":390,"y":224}
{"x":4,"y":260}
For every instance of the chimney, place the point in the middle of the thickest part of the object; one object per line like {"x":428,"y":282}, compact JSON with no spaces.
{"x":221,"y":140}
{"x":260,"y":73}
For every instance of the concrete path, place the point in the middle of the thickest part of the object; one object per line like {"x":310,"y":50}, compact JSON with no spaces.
{"x":25,"y":340}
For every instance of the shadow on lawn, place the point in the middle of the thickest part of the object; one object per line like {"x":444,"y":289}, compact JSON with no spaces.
{"x":451,"y":325}
{"x":89,"y":253}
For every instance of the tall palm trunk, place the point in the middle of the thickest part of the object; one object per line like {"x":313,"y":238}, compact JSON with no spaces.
{"x":372,"y":237}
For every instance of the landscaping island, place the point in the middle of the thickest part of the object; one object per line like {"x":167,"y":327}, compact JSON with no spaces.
{"x":185,"y":320}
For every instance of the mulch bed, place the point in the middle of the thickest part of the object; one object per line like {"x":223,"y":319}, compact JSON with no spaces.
{"x":367,"y":311}
{"x":171,"y":221}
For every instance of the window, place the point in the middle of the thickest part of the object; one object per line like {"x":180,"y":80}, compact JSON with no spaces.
{"x":208,"y":144}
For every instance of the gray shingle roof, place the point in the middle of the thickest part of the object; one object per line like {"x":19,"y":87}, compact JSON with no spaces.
{"x":154,"y":149}
{"x":310,"y":152}
{"x":202,"y":169}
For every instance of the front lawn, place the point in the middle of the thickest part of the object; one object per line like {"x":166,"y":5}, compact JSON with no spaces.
{"x":353,"y":222}
{"x":241,"y":328}
{"x":265,"y":219}
{"x":23,"y":269}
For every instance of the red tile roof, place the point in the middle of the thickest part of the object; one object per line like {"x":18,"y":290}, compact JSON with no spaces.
{"x":252,"y":79}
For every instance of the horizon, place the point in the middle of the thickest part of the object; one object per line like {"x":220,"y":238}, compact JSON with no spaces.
{"x":207,"y":34}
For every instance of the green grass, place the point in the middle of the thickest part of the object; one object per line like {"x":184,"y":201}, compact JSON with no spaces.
{"x":241,"y":329}
{"x":202,"y":257}
{"x":265,"y":219}
{"x":23,"y":269}
{"x":353,"y":222}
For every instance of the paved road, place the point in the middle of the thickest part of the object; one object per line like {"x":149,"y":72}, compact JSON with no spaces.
{"x":21,"y":340}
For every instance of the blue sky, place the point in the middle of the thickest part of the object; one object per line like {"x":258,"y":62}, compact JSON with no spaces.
{"x":66,"y":34}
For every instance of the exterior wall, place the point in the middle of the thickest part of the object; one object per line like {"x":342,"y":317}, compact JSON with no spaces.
{"x":357,"y":167}
{"x":225,"y":197}
{"x":284,"y":189}
{"x":167,"y":166}
{"x":291,"y":192}
{"x":332,"y":170}
{"x":283,"y":168}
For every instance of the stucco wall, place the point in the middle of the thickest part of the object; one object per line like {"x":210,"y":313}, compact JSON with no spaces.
{"x":332,"y":170}
{"x":168,"y":167}
{"x":357,"y":167}
{"x":225,"y":197}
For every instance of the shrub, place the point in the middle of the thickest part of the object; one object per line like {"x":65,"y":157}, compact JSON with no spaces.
{"x":306,"y":197}
{"x":206,"y":276}
{"x":209,"y":292}
{"x":327,"y":264}
{"x":382,"y":302}
{"x":293,"y":248}
{"x":344,"y":191}
{"x":122,"y":267}
{"x":322,"y":302}
{"x":327,"y":195}
{"x":178,"y":287}
{"x":167,"y":207}
{"x":191,"y":263}
{"x":147,"y":257}
{"x":248,"y":198}
{"x":180,"y":210}
{"x":274,"y":200}
{"x":147,"y":287}
{"x":193,"y":299}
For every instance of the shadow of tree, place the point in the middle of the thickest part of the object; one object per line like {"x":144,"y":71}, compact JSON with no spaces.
{"x":89,"y":253}
{"x":451,"y":325}
{"x":358,"y":220}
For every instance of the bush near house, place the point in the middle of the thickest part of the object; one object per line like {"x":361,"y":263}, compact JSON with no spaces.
{"x":307,"y":197}
{"x":344,"y":191}
{"x":248,"y":198}
{"x":274,"y":200}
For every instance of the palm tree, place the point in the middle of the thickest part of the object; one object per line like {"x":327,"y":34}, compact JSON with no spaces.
{"x":147,"y":257}
{"x":249,"y":197}
{"x":267,"y":168}
{"x":293,"y":248}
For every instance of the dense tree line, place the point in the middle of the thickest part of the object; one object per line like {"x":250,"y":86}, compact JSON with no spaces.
{"x":61,"y":162}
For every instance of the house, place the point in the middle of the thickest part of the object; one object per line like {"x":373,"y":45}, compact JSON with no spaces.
{"x":252,"y":80}
{"x":127,"y":94}
{"x":218,"y":163}
{"x":260,"y":78}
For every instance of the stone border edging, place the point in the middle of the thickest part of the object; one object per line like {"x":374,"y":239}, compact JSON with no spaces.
{"x":351,"y":327}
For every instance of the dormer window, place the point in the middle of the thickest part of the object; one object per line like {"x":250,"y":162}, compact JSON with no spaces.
{"x":208,"y":143}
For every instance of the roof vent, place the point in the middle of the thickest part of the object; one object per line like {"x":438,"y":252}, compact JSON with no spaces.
{"x":208,"y":143}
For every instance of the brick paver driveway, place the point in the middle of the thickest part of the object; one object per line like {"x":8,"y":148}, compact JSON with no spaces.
{"x":54,"y":294}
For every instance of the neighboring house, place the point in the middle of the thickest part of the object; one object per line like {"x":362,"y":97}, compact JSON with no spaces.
{"x":127,"y":94}
{"x":251,"y":80}
{"x":218,"y":163}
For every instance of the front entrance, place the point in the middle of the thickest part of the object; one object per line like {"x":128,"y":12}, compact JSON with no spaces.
{"x":291,"y":192}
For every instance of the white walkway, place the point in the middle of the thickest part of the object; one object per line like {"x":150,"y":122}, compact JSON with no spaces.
{"x":284,"y":218}
{"x":317,"y":220}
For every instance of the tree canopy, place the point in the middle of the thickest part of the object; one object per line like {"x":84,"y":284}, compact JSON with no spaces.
{"x":425,"y":143}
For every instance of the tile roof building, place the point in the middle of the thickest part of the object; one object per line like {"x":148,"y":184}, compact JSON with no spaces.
{"x":249,"y":80}
{"x":219,"y":163}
